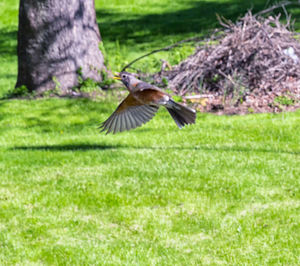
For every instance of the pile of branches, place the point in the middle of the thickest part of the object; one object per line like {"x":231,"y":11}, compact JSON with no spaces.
{"x":254,"y":57}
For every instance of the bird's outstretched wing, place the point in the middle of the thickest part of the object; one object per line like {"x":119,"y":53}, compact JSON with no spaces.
{"x":130,"y":114}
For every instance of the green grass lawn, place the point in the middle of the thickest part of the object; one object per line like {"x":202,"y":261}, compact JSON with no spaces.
{"x":224,"y":191}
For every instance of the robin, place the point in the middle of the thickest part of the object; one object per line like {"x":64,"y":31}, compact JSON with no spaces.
{"x":141,"y":104}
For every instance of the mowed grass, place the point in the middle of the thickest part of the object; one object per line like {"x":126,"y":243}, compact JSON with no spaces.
{"x":224,"y":191}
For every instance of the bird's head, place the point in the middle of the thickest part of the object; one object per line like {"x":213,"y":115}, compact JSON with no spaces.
{"x":128,"y":79}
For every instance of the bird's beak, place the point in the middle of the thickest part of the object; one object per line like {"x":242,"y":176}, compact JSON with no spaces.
{"x":117,"y":76}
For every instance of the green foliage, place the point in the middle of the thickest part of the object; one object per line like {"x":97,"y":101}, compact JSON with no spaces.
{"x":165,"y":81}
{"x":284,"y":100}
{"x":106,"y":80}
{"x":79,"y":73}
{"x":177,"y":98}
{"x":57,"y":88}
{"x":88,"y":85}
{"x":250,"y":110}
{"x":216,"y":78}
{"x":56,"y":91}
{"x":21,"y":91}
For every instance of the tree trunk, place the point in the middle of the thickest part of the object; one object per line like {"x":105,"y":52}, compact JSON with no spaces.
{"x":56,"y":40}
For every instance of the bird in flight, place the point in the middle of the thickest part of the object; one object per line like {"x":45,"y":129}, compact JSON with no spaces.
{"x":141,"y":104}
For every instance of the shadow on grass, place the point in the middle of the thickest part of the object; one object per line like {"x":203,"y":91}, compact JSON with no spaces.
{"x":71,"y":147}
{"x":198,"y":17}
{"x":87,"y":147}
{"x":8,"y":42}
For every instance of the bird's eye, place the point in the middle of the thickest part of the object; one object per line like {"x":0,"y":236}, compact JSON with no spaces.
{"x":123,"y":76}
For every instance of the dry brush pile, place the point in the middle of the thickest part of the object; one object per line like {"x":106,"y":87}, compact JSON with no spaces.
{"x":254,"y":66}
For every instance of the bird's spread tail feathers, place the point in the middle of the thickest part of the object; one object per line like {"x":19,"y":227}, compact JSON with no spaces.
{"x":181,"y":114}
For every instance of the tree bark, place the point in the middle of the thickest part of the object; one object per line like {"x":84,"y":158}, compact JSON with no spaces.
{"x":56,"y":39}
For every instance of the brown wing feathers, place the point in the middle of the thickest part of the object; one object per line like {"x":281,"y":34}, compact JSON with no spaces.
{"x":130,"y":114}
